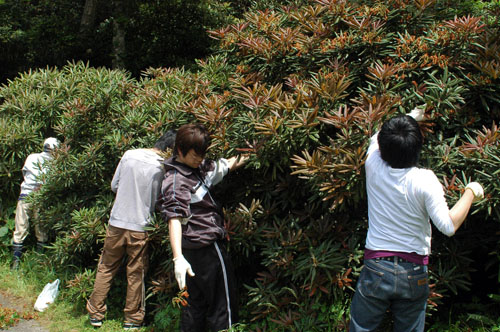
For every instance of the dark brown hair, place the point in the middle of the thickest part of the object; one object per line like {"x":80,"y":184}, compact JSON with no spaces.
{"x":167,"y":140}
{"x":192,"y":136}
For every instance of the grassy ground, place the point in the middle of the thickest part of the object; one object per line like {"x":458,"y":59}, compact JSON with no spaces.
{"x":62,"y":316}
{"x":66,"y":316}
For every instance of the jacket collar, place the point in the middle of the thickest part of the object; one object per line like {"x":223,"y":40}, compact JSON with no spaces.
{"x":172,"y":163}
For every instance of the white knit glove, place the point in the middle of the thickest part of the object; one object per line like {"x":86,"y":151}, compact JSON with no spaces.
{"x":417,"y":114}
{"x":181,"y":266}
{"x":477,"y":189}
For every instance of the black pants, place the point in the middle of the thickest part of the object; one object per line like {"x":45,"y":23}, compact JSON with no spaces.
{"x":212,"y":291}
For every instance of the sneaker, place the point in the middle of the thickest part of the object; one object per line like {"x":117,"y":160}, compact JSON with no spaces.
{"x":131,"y":326}
{"x":95,"y":322}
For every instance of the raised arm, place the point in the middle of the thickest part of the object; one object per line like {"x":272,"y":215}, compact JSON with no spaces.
{"x":473,"y":191}
{"x":458,"y":213}
{"x":236,"y":162}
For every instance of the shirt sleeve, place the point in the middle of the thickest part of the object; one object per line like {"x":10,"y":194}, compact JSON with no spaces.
{"x":26,"y":169}
{"x":436,"y":206}
{"x":28,"y":172}
{"x":220,"y":170}
{"x":373,"y":144}
{"x":116,"y":178}
{"x":175,"y":197}
{"x":32,"y":169}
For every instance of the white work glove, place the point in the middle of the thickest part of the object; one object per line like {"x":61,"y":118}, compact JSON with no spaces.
{"x":417,"y":114}
{"x":181,"y":266}
{"x":477,"y":189}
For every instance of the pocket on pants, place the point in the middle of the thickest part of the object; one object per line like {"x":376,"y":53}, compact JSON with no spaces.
{"x":113,"y":232}
{"x":139,"y":235}
{"x":370,"y":281}
{"x":419,"y":285}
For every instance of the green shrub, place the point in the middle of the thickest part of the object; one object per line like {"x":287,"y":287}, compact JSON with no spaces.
{"x":300,"y":88}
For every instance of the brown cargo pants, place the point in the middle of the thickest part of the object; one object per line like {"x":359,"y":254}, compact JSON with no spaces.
{"x":119,"y":242}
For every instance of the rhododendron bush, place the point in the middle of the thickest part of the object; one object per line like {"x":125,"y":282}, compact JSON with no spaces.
{"x":300,"y":89}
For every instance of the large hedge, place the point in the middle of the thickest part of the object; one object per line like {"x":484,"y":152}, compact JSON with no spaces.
{"x":301,"y":89}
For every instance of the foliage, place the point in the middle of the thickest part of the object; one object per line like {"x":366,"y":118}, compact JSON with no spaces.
{"x":166,"y":318}
{"x":172,"y":33}
{"x":318,"y":80}
{"x":80,"y":287}
{"x":300,"y":88}
{"x":10,"y":317}
{"x":7,"y":227}
{"x":37,"y":34}
{"x":158,"y":33}
{"x":473,"y":316}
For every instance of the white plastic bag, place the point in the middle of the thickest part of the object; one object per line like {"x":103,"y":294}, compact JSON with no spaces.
{"x":47,"y":296}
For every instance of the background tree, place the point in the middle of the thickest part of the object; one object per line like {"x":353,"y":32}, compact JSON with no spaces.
{"x":129,"y":34}
{"x":88,"y":20}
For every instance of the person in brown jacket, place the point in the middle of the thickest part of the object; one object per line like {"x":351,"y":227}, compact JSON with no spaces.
{"x":197,"y":231}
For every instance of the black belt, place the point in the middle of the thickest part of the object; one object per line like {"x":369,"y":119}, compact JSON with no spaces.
{"x":393,"y":259}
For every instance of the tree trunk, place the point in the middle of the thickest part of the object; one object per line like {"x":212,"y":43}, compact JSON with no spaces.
{"x":119,"y":49}
{"x":88,"y":17}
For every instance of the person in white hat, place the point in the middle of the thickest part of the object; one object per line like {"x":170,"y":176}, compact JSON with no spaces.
{"x":34,"y":166}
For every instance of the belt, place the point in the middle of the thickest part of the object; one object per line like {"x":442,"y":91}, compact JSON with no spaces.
{"x":394,"y":259}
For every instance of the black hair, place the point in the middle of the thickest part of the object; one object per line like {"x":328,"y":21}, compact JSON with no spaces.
{"x":400,"y":141}
{"x":167,"y":140}
{"x":192,"y":136}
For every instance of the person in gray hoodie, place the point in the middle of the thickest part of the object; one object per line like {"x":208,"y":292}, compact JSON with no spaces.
{"x":136,"y":182}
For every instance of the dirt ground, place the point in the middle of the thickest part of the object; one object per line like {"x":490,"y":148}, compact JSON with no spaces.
{"x":10,"y":302}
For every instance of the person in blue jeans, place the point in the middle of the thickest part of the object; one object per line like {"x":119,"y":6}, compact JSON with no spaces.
{"x":401,"y":199}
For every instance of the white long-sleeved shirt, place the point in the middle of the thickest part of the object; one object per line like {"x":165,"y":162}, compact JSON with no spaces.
{"x":137,"y":183}
{"x":34,"y":166}
{"x":400,"y":202}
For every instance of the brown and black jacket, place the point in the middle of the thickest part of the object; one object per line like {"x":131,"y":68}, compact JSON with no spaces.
{"x":185,"y":194}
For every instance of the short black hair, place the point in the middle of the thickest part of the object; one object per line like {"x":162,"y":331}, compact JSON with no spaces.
{"x":400,"y":141}
{"x":192,"y":136}
{"x":167,"y":140}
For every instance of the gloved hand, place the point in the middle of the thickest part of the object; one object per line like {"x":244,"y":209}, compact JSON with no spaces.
{"x":417,"y":114}
{"x":477,"y":189}
{"x":181,"y":266}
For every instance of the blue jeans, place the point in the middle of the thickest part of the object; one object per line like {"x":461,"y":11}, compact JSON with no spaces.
{"x":399,"y":286}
